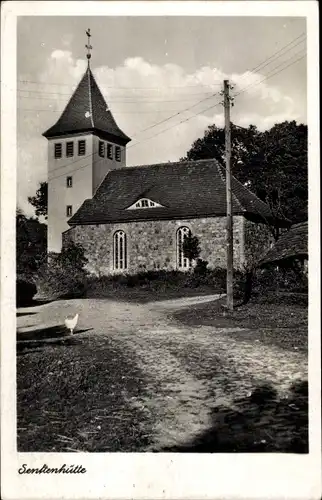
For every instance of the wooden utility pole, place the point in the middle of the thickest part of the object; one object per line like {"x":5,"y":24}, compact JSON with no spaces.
{"x":229,"y":240}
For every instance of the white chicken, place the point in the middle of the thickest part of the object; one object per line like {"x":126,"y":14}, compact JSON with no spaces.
{"x":71,"y":322}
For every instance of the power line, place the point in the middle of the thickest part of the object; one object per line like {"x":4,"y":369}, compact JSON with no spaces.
{"x":189,"y":118}
{"x":117,"y":102}
{"x":182,"y":121}
{"x":40,"y":110}
{"x":262,"y":65}
{"x":172,"y":116}
{"x":274,"y":56}
{"x":181,"y":87}
{"x":207,"y":109}
{"x":154,"y":112}
{"x":270,"y":75}
{"x":121,"y":88}
{"x":148,"y":128}
{"x":267,"y":77}
{"x":162,"y":121}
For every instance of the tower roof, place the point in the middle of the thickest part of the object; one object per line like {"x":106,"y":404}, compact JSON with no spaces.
{"x":87,"y":111}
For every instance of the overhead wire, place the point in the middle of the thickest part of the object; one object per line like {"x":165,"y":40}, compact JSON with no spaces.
{"x":110,"y":100}
{"x":196,"y":114}
{"x":243,"y":90}
{"x":261,"y":64}
{"x":267,"y":77}
{"x":121,"y":88}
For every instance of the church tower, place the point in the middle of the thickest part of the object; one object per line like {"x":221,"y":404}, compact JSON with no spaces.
{"x":83,"y":146}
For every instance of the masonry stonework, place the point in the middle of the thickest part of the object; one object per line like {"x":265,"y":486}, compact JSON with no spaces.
{"x":258,"y":240}
{"x":152,"y":244}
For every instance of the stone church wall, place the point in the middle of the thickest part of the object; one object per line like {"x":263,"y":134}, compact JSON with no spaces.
{"x":258,"y":240}
{"x":152,"y":244}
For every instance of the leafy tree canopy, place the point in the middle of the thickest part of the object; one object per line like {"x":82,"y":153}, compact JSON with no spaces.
{"x":40,"y":200}
{"x":73,"y":256}
{"x":31,"y":244}
{"x":272,"y":164}
{"x":191,"y":247}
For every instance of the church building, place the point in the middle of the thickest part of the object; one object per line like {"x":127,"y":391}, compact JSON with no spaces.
{"x":130,"y":219}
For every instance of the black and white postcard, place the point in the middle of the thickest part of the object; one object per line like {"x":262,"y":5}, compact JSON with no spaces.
{"x":160,"y":274}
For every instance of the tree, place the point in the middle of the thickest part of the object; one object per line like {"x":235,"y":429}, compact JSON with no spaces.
{"x":40,"y":201}
{"x":190,"y":247}
{"x":277,"y":170}
{"x":64,"y":275}
{"x":73,"y":257}
{"x":31,"y":244}
{"x":272,"y":164}
{"x":212,"y":145}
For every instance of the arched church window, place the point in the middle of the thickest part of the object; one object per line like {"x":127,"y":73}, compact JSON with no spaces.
{"x":182,"y":261}
{"x":119,"y":251}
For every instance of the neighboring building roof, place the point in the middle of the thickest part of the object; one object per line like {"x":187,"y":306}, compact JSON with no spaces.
{"x":87,"y":111}
{"x":184,"y":189}
{"x":291,"y":244}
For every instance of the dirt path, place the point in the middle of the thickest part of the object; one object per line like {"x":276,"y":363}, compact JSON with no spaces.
{"x":190,"y":369}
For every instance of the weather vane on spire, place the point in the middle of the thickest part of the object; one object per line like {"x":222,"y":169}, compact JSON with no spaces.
{"x":88,"y":45}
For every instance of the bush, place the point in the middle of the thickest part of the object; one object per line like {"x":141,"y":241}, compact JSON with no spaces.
{"x":72,"y":256}
{"x":191,"y":248}
{"x":207,"y":280}
{"x":201,"y":267}
{"x":275,"y":278}
{"x":64,"y":276}
{"x":54,"y":281}
{"x":25,"y":291}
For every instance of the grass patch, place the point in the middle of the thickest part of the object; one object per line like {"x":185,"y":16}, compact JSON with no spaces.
{"x":82,"y":396}
{"x":152,"y":286}
{"x":271,"y":321}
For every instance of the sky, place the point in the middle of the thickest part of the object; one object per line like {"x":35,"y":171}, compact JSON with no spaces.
{"x":156,"y":69}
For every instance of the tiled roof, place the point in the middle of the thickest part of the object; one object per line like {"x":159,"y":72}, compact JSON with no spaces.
{"x":293,"y":243}
{"x":185,"y":189}
{"x":87,"y":111}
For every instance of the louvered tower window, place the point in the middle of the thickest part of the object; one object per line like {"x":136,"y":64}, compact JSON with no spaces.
{"x":101,"y":149}
{"x":69,"y":149}
{"x":182,"y":261}
{"x":117,"y":153}
{"x":119,"y":251}
{"x":81,"y":147}
{"x":58,"y":150}
{"x":110,"y":151}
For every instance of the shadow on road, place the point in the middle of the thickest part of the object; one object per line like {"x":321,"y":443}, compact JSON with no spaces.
{"x":54,"y":335}
{"x":27,"y":313}
{"x":260,"y":423}
{"x":29,"y":347}
{"x":26,"y":302}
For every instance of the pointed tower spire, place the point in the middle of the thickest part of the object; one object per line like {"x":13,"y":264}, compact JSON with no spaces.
{"x":87,"y":110}
{"x":88,"y":46}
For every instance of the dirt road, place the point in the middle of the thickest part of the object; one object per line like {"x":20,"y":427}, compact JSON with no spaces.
{"x":189,"y":369}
